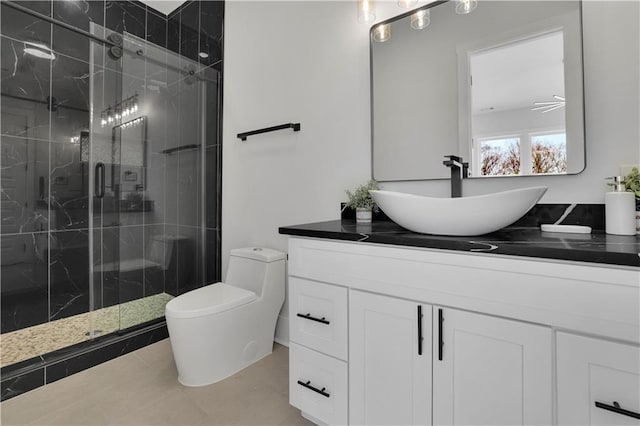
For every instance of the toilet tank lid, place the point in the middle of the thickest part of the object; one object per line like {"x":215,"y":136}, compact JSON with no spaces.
{"x":262,"y":254}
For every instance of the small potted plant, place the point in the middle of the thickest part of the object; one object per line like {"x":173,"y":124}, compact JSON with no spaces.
{"x":632,"y":184}
{"x":361,"y":201}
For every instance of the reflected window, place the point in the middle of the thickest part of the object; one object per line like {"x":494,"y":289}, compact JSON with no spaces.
{"x":549,"y":153}
{"x":499,"y":157}
{"x":507,"y":155}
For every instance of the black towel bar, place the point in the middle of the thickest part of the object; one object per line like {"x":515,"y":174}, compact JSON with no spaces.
{"x":294,"y":126}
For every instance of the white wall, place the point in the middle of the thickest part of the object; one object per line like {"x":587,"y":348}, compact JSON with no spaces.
{"x":308,"y":62}
{"x":286,"y":62}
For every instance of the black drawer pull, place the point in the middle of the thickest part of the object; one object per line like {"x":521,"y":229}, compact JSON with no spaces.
{"x":616,"y":409}
{"x":307,"y":385}
{"x":309,"y":317}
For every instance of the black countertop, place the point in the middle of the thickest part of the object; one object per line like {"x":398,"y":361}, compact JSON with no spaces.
{"x":596,"y":247}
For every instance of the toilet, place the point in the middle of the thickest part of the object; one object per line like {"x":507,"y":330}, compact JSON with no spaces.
{"x":217,"y":330}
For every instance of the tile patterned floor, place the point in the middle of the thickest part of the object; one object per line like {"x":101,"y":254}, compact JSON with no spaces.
{"x":29,"y":342}
{"x":141,"y":388}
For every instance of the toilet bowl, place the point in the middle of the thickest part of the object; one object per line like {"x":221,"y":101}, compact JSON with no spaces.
{"x":217,"y":330}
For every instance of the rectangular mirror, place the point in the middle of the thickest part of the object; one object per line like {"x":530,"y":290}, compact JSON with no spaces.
{"x":500,"y":86}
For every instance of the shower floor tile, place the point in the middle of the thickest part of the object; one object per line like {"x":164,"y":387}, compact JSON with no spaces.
{"x":141,"y":388}
{"x":40,"y":339}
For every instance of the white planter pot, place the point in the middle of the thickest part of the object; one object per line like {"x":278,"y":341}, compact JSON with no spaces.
{"x":363,"y":215}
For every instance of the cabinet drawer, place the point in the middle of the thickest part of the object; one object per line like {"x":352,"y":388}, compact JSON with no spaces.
{"x":318,"y":316}
{"x":593,"y":371}
{"x":318,"y":385}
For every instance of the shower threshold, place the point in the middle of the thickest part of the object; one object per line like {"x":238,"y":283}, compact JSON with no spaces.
{"x":41,"y":339}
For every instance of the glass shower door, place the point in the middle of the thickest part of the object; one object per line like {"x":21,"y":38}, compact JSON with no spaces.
{"x":102,"y":153}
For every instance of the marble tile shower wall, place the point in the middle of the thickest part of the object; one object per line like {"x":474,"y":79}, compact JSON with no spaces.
{"x":44,"y":234}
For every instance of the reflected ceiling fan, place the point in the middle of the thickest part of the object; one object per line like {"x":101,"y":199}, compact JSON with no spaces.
{"x":549,"y":106}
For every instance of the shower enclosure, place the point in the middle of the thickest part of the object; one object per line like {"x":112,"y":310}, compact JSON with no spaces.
{"x":110,"y":163}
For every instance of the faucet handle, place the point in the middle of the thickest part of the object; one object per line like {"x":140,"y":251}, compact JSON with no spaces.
{"x":454,"y":158}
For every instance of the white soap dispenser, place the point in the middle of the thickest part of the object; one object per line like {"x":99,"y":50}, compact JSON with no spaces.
{"x":620,"y":209}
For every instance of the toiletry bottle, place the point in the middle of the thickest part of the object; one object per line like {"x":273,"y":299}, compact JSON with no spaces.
{"x":620,"y":209}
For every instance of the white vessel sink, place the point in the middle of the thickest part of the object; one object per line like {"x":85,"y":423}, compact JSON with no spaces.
{"x":475,"y":215}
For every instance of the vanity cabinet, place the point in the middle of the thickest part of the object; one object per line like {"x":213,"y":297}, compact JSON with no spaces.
{"x":405,"y":335}
{"x":390,"y":360}
{"x":490,"y":371}
{"x":598,"y":381}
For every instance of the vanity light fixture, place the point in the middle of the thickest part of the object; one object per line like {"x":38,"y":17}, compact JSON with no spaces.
{"x":421,"y":19}
{"x":551,"y":105}
{"x":382,"y":33}
{"x":39,"y":50}
{"x":120,"y":111}
{"x":407,"y":4}
{"x":464,"y":7}
{"x":366,"y":11}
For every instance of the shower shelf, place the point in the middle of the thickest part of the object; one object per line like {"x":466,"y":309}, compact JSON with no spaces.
{"x":179,"y":148}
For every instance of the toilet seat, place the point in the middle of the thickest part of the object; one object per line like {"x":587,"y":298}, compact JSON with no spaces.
{"x":207,"y":300}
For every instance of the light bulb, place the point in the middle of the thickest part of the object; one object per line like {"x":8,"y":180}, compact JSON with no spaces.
{"x":382,"y":33}
{"x":465,"y":6}
{"x":406,"y":4}
{"x":421,"y":19}
{"x":366,"y":11}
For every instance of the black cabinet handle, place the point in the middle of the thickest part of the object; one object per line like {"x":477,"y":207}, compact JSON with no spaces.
{"x":420,"y":338}
{"x":440,"y":338}
{"x":98,"y":180}
{"x":616,"y":409}
{"x":309,"y":317}
{"x":307,"y":385}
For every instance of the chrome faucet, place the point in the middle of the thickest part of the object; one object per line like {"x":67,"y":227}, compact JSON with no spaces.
{"x":459,"y":171}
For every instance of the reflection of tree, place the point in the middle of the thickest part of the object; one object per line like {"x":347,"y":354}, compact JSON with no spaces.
{"x":547,"y":158}
{"x":500,"y":160}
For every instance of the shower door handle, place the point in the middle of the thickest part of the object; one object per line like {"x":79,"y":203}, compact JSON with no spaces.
{"x":98,"y":180}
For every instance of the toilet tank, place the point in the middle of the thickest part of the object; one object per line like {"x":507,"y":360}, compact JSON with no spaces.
{"x":253,"y":267}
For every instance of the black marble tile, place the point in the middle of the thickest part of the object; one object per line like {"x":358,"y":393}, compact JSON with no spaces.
{"x":24,"y":277}
{"x":21,"y":384}
{"x":212,"y":186}
{"x":24,"y":27}
{"x":80,"y":14}
{"x":70,"y":95}
{"x":173,"y":32}
{"x":189,"y":30}
{"x":25,"y":85}
{"x":69,"y":273}
{"x":212,"y":116}
{"x":156,"y":29}
{"x":211,"y":32}
{"x":69,"y":176}
{"x":25,"y":185}
{"x":212,"y":257}
{"x":189,"y":187}
{"x":580,"y":214}
{"x":189,"y":265}
{"x":123,"y":16}
{"x":171,"y":270}
{"x":131,"y":270}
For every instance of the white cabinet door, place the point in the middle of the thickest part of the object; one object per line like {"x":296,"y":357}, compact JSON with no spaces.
{"x":490,"y":371}
{"x":594,"y":371}
{"x":389,"y":367}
